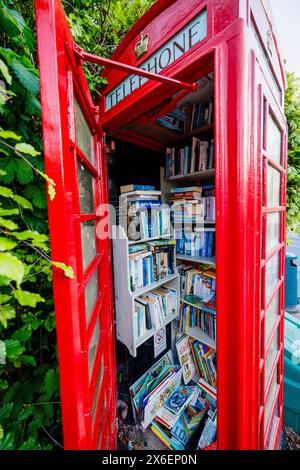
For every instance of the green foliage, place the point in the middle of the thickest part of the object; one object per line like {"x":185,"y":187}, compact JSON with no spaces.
{"x":292,"y":112}
{"x":29,"y":392}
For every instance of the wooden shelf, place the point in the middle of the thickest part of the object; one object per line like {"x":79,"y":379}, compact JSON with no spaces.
{"x":208,"y":129}
{"x":196,"y":259}
{"x":197,"y":333}
{"x":193,"y":176}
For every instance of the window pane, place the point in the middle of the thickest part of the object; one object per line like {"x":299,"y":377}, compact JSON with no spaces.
{"x":93,"y":347}
{"x":88,"y":240}
{"x":270,"y":358}
{"x":271,"y":317}
{"x":272,"y":274}
{"x":274,"y":140}
{"x":270,"y":400}
{"x":84,"y":137}
{"x":97,"y":389}
{"x":91,"y":293}
{"x":273,"y":187}
{"x":86,"y":189}
{"x":273,"y":230}
{"x":271,"y":435}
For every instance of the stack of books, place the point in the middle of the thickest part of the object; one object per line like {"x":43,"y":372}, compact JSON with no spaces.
{"x":200,"y":284}
{"x":197,"y":243}
{"x":150,"y":262}
{"x":209,"y":202}
{"x":205,"y":361}
{"x":144,"y":214}
{"x":174,"y":120}
{"x":194,"y":158}
{"x":152,"y":309}
{"x":191,"y":316}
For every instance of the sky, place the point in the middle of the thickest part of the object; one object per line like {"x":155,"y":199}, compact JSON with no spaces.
{"x":287,"y":19}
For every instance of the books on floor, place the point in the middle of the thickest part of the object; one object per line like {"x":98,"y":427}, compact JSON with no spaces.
{"x":150,"y":262}
{"x":153,"y":309}
{"x":186,"y":359}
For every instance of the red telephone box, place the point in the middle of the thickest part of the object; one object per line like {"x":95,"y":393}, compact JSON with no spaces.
{"x":173,"y":45}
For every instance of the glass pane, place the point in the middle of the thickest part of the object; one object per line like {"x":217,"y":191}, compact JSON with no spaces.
{"x":88,"y":240}
{"x":272,"y":274}
{"x":270,"y":358}
{"x":98,"y":388}
{"x":90,"y":294}
{"x":271,"y":317}
{"x":273,"y":187}
{"x":270,"y":400}
{"x":273,"y":230}
{"x":84,"y":137}
{"x":271,"y":435}
{"x":274,"y":140}
{"x":86,"y":189}
{"x":93,"y":347}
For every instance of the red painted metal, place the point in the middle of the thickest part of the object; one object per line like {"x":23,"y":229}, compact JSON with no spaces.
{"x":94,"y":59}
{"x":83,"y":393}
{"x":249,"y":80}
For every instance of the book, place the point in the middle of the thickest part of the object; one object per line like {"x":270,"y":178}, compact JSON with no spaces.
{"x":136,"y":187}
{"x":186,"y":359}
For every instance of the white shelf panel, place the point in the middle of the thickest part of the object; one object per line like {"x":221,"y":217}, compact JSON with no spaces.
{"x":145,"y":240}
{"x":200,"y":307}
{"x":198,"y":334}
{"x":154,"y":285}
{"x":197,"y":259}
{"x":150,"y":333}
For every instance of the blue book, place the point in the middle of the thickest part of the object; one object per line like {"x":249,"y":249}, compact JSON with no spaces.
{"x":211,"y":156}
{"x":210,"y":244}
{"x":145,"y":272}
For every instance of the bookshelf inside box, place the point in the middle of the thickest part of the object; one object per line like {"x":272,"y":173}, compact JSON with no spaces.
{"x":124,"y":297}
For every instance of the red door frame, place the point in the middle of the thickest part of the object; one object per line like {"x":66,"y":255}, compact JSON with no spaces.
{"x":88,"y":397}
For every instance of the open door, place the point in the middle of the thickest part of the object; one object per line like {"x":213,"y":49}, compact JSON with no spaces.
{"x":74,"y":159}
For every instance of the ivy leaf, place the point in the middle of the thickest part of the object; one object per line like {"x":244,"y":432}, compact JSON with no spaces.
{"x":11,"y":267}
{"x":32,"y":104}
{"x":37,"y":194}
{"x":27,"y":148}
{"x":5,"y":72}
{"x":7,"y":312}
{"x":9,"y":135}
{"x":26,"y":298}
{"x":28,"y":360}
{"x":6,"y":192}
{"x":26,"y":412}
{"x":14,"y":348}
{"x":30,"y":234}
{"x":51,"y":185}
{"x":68,"y":270}
{"x":23,"y":334}
{"x":50,"y":382}
{"x":7,"y":442}
{"x":3,"y":384}
{"x":22,"y":202}
{"x":6,"y":244}
{"x":4,"y":298}
{"x":24,"y":172}
{"x":26,"y":76}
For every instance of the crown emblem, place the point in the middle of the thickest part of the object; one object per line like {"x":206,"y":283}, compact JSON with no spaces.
{"x":141,"y":47}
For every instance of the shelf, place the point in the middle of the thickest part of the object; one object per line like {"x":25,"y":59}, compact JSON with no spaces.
{"x":154,"y":285}
{"x":193,"y":176}
{"x":150,"y":333}
{"x":145,"y":240}
{"x":208,"y":129}
{"x":200,"y":307}
{"x":196,"y":259}
{"x":197,"y":333}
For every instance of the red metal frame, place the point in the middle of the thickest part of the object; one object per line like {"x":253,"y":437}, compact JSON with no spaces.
{"x":248,"y":80}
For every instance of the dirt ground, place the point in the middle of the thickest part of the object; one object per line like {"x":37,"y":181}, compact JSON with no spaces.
{"x":292,"y":439}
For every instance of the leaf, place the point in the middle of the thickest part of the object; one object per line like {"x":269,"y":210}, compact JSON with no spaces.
{"x":11,"y":267}
{"x":9,"y":135}
{"x":26,"y":412}
{"x":51,"y":185}
{"x":32,"y":104}
{"x":6,"y":192}
{"x":26,"y":298}
{"x":26,"y":77}
{"x":3,"y":384}
{"x":7,"y":442}
{"x":8,"y":211}
{"x":6,"y":244}
{"x":27,"y":148}
{"x":23,"y":334}
{"x":7,"y":312}
{"x":14,"y":348}
{"x":4,"y":298}
{"x":5,"y":411}
{"x":8,"y":224}
{"x":28,"y":360}
{"x":37,"y":194}
{"x":50,"y":382}
{"x":5,"y":72}
{"x":23,"y":171}
{"x":22,"y":202}
{"x":68,"y":270}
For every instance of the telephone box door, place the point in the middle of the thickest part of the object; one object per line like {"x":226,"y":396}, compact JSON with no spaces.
{"x":75,"y":161}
